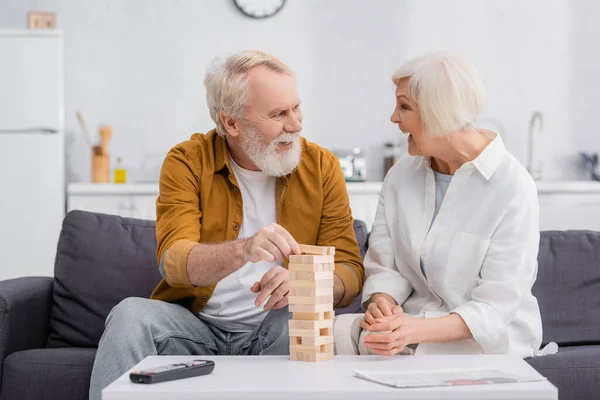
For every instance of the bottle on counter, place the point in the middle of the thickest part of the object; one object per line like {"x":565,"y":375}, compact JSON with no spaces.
{"x":120,"y":172}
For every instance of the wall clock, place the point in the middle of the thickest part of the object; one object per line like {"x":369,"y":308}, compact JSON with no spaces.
{"x":259,"y":8}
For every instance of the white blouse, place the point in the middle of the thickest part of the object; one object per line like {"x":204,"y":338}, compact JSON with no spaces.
{"x":479,"y":255}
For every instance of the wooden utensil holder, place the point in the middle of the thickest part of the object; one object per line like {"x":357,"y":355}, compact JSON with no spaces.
{"x":100,"y":166}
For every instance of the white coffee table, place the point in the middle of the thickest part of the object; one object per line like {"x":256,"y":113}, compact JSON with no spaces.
{"x":276,"y":377}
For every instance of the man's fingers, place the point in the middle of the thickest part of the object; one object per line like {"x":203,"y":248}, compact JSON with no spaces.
{"x":282,"y":245}
{"x":255,"y":288}
{"x":273,"y":249}
{"x":270,"y":274}
{"x":270,"y":282}
{"x":276,"y":296}
{"x":294,"y":246}
{"x":281,"y":303}
{"x":266,"y":291}
{"x":262,"y":254}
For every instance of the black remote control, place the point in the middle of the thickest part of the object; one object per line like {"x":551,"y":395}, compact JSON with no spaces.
{"x":173,"y":371}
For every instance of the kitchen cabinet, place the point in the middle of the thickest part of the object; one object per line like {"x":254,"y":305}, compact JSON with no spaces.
{"x":563,"y":205}
{"x":139,"y":200}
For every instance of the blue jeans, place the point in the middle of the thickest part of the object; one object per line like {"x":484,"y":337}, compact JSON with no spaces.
{"x":137,"y":328}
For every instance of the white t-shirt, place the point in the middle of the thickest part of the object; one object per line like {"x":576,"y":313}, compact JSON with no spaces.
{"x":231,"y":306}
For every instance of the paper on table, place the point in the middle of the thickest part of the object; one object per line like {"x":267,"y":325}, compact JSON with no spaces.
{"x":443,"y":377}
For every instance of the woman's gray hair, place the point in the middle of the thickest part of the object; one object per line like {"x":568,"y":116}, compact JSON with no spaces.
{"x":447,"y":89}
{"x":226,"y":83}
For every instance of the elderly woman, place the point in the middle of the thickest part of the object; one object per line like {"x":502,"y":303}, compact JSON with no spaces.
{"x":453,"y":249}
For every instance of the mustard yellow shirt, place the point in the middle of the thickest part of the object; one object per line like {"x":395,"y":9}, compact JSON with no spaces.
{"x":200,"y":202}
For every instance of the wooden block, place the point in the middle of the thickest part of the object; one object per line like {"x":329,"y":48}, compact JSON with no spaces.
{"x":310,"y":308}
{"x":310,"y":332}
{"x":310,"y":291}
{"x":317,"y":250}
{"x":308,"y":349}
{"x":302,"y":324}
{"x":311,"y":357}
{"x":328,"y":298}
{"x":311,"y":276}
{"x":311,"y":259}
{"x":311,"y":340}
{"x":314,"y":316}
{"x":311,"y":284}
{"x":311,"y":267}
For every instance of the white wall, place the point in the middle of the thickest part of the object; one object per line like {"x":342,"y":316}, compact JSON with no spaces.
{"x":138,"y":66}
{"x":585,"y":82}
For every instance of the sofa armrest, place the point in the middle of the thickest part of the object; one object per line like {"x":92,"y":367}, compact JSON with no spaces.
{"x":25,"y":305}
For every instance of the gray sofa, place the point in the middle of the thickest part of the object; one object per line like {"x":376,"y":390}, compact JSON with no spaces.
{"x":50,"y":327}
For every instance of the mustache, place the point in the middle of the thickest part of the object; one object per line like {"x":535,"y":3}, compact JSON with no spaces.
{"x":287,"y":137}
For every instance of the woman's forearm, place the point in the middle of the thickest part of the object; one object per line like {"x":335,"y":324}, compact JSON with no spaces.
{"x":451,"y":328}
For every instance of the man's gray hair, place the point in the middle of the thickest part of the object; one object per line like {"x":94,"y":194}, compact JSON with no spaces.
{"x":226,"y":83}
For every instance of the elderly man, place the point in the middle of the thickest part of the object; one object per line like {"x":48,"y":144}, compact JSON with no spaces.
{"x":234,"y":204}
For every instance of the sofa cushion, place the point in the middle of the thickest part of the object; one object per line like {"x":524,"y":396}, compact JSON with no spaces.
{"x":48,"y":374}
{"x":573,"y":370}
{"x":101,"y":259}
{"x":362,"y":236}
{"x":568,"y":286}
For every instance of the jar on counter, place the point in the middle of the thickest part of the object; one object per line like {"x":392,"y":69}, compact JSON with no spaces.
{"x":393,"y":151}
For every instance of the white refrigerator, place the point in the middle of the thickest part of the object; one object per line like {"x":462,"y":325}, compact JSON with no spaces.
{"x":32,"y":172}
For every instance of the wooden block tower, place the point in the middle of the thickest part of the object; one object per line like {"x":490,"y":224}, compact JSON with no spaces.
{"x":311,"y":304}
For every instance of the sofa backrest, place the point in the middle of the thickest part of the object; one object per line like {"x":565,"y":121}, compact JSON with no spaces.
{"x":568,"y":286}
{"x":101,"y":260}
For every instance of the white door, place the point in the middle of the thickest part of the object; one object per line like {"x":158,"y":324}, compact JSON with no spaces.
{"x":31,"y":80}
{"x":31,"y":152}
{"x":31,"y":203}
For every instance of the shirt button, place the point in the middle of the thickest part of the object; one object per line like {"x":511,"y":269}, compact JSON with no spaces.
{"x":236,"y":226}
{"x":236,"y":190}
{"x":204,"y":298}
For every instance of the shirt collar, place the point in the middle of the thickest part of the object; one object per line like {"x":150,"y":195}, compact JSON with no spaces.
{"x":486,"y":162}
{"x":221,"y":153}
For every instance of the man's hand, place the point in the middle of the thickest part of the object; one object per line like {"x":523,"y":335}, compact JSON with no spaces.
{"x":381,"y":305}
{"x":403,"y":330}
{"x":275,"y":285}
{"x":270,"y":243}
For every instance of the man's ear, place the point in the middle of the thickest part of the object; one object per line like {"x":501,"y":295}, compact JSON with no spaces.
{"x":232,"y":125}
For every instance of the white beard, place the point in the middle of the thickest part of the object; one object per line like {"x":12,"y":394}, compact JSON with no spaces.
{"x":266,"y":157}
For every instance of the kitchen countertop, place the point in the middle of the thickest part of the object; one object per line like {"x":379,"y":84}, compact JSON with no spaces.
{"x":544,"y":187}
{"x":152,"y":188}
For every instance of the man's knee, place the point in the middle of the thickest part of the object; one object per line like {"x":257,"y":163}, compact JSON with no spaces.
{"x":134,"y":316}
{"x":131,"y":313}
